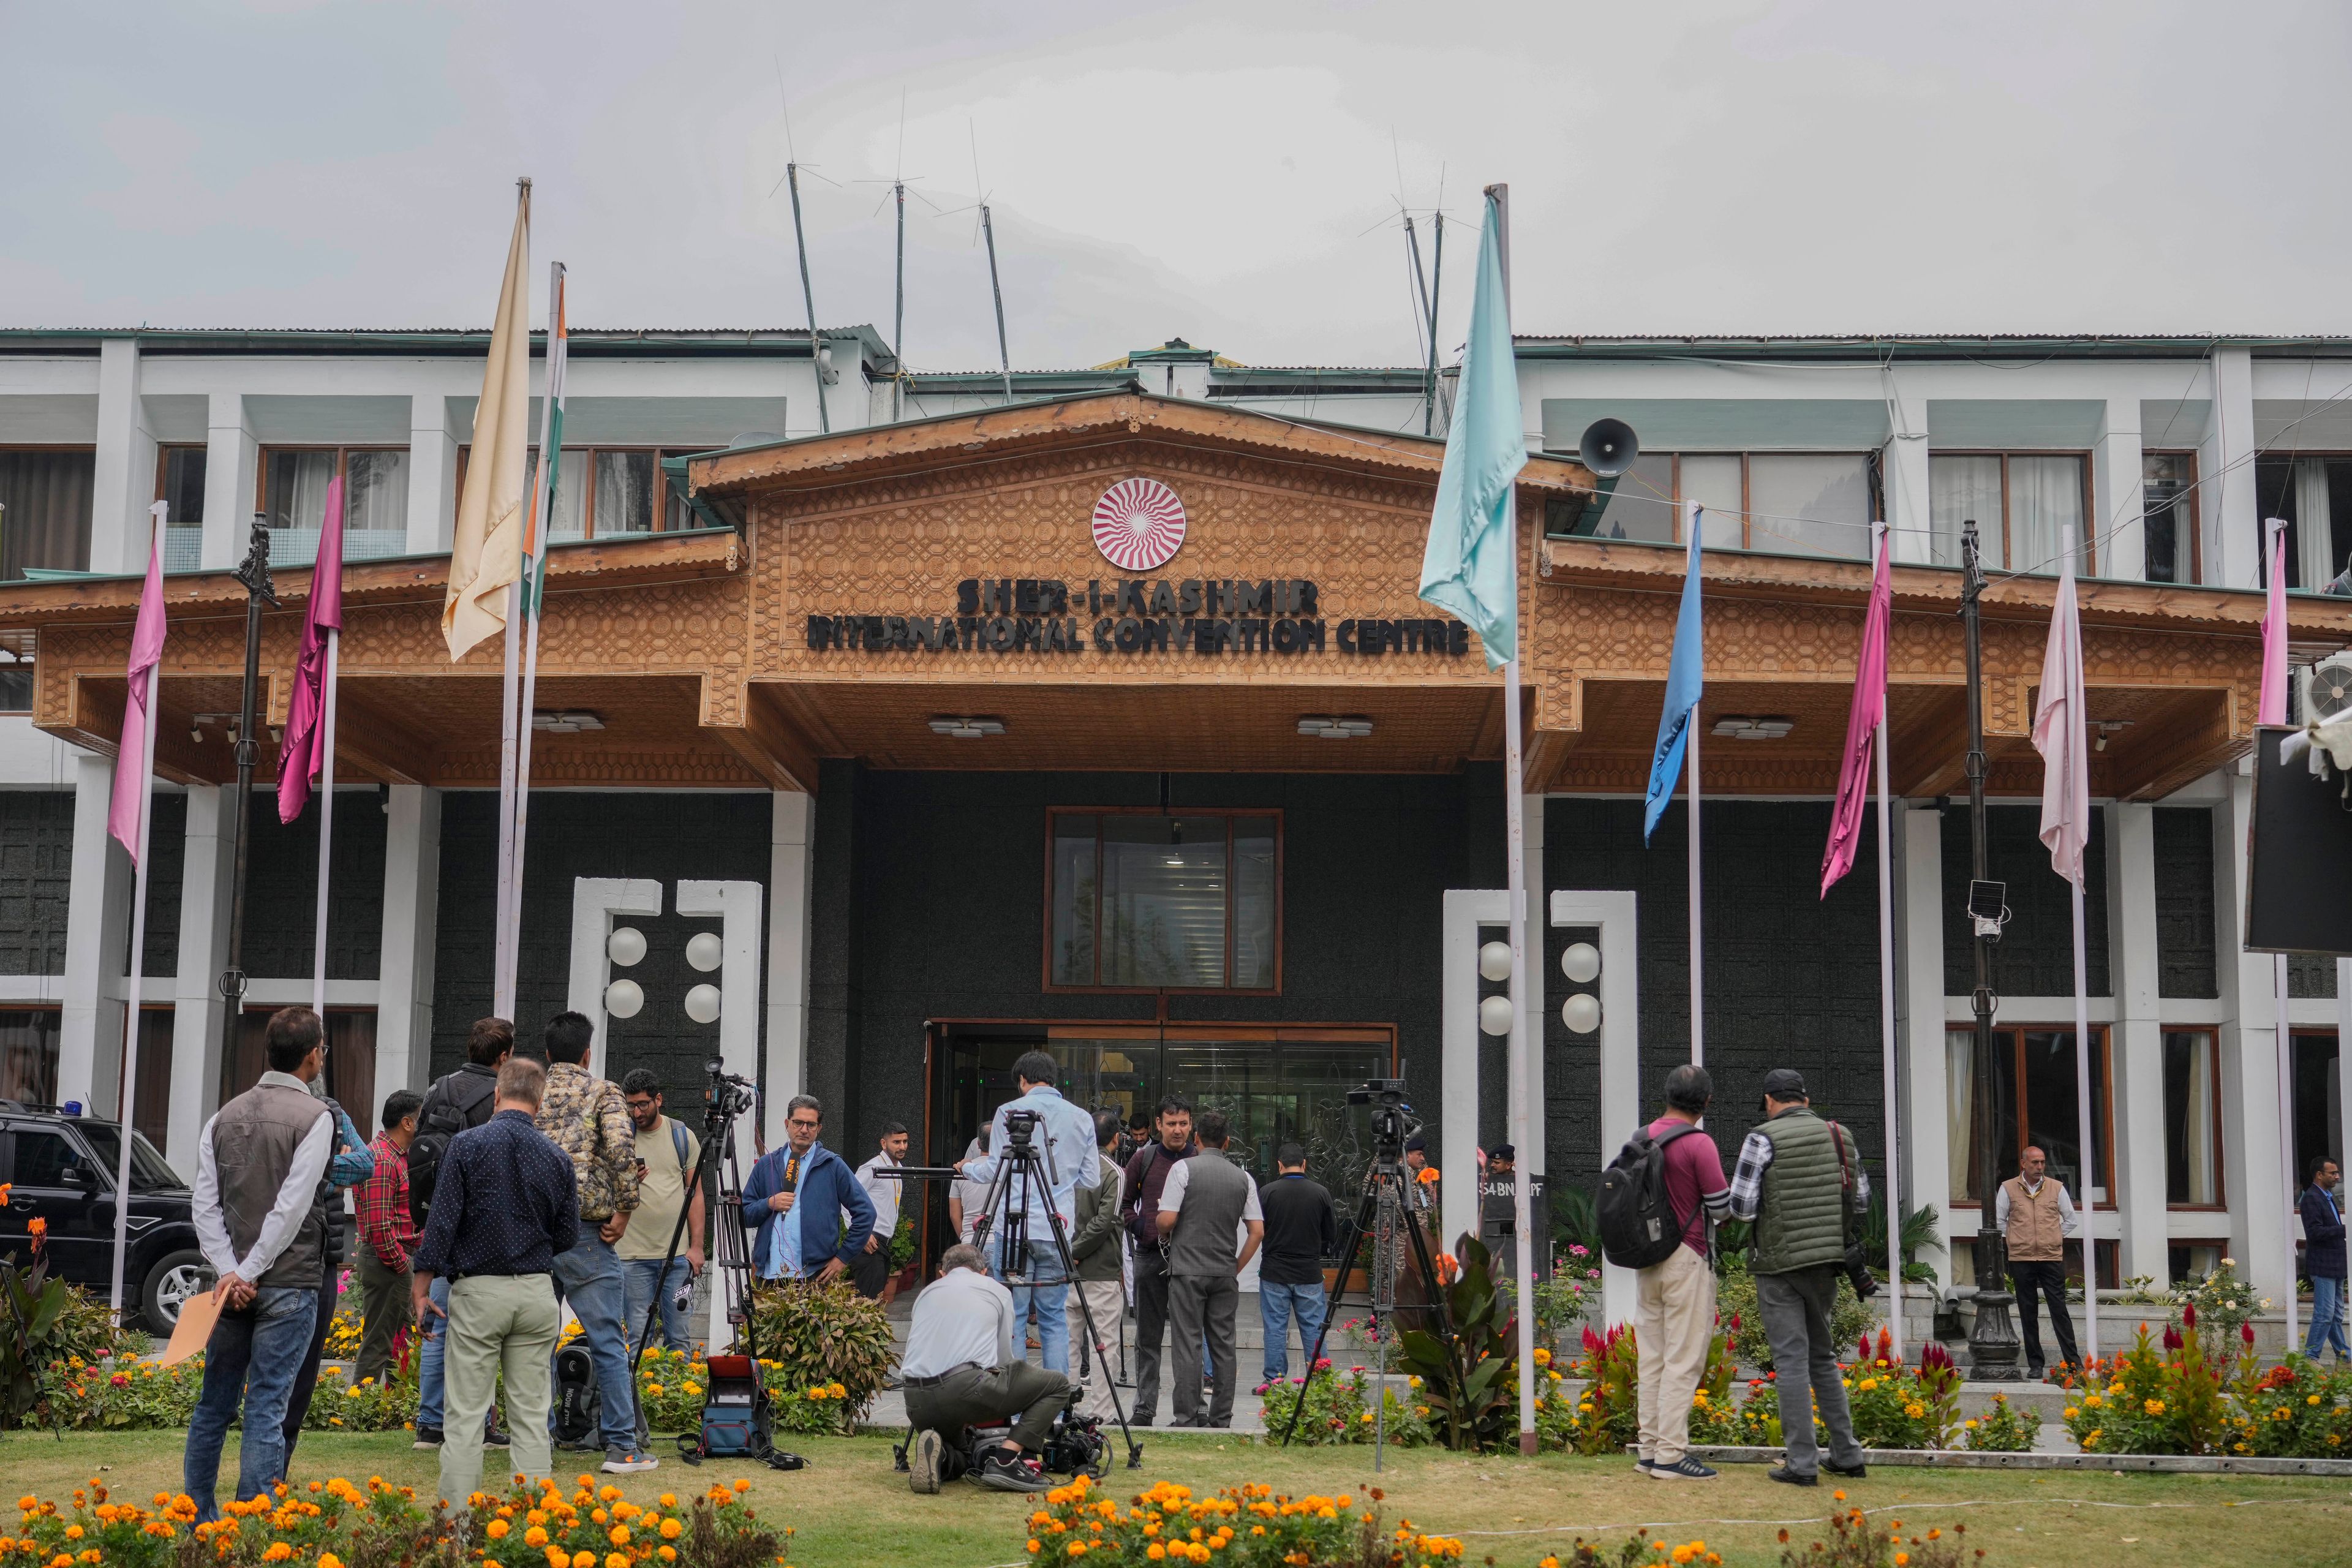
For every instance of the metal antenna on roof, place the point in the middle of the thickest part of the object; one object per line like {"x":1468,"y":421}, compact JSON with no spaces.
{"x":1423,"y":311}
{"x":800,"y":244}
{"x":988,"y":228}
{"x":899,"y":309}
{"x":1436,"y":283}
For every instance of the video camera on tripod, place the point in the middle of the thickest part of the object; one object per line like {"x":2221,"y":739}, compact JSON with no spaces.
{"x":1393,"y":1119}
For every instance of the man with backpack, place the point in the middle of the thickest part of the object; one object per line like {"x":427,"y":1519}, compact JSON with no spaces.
{"x":667,"y":1153}
{"x":1798,"y":1181}
{"x":455,"y":1102}
{"x":1659,"y":1205}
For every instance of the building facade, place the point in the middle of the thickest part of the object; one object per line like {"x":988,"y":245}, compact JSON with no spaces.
{"x":951,"y":774}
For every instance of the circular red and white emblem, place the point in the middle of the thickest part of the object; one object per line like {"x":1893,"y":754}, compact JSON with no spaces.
{"x":1138,"y":525}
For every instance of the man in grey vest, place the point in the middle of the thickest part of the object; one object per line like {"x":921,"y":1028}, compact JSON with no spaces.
{"x":1208,"y":1204}
{"x":259,"y":1221}
{"x":1798,"y":1178}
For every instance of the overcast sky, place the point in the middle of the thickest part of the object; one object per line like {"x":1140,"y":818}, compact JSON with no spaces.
{"x":1229,"y":172}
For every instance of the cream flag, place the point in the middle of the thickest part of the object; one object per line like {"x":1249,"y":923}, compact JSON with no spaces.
{"x":486,"y":556}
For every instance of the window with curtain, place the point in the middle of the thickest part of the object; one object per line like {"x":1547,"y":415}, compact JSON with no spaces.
{"x":605,"y":491}
{"x":2168,"y":515}
{"x":180,"y":486}
{"x":1142,"y":901}
{"x":2021,"y":503}
{"x":1812,"y":503}
{"x":2193,"y":1118}
{"x":2313,"y":495}
{"x":16,"y":672}
{"x":29,"y":1055}
{"x":294,"y":481}
{"x":47,"y":496}
{"x":2034,"y":1100}
{"x":351,"y":1061}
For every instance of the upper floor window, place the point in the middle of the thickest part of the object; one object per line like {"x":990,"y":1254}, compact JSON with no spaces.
{"x":2021,"y":503}
{"x":16,"y":672}
{"x":293,"y":497}
{"x":2033,"y":1105}
{"x":605,"y":491}
{"x":2168,"y":517}
{"x":2314,"y":496}
{"x":180,"y":486}
{"x":1806,"y":503}
{"x":46,"y":492}
{"x":1148,"y":902}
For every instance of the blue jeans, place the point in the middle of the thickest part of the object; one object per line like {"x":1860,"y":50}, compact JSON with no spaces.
{"x":589,"y":1278}
{"x":643,"y":1280}
{"x":2326,"y":1320}
{"x":249,"y":1362}
{"x":1277,"y":1305}
{"x":428,"y":1359}
{"x":1051,"y":1291}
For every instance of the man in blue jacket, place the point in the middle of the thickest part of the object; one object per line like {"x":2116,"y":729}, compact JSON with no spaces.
{"x":796,"y":1196}
{"x":2323,"y":1260}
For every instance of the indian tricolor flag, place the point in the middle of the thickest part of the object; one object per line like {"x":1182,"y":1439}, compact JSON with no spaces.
{"x":486,"y":554}
{"x":551,"y":453}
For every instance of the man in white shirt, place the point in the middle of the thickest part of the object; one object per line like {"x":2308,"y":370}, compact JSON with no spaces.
{"x":1065,"y":1136}
{"x":261,"y":1221}
{"x":961,"y":1368}
{"x":871,"y":1271}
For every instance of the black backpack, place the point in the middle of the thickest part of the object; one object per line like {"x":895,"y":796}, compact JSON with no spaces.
{"x":1639,"y":1226}
{"x":441,"y":1118}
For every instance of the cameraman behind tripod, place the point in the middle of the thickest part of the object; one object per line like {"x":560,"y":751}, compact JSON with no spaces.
{"x":1066,"y":1135}
{"x":963,"y":1369}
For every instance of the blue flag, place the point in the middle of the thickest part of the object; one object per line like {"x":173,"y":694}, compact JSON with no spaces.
{"x":1468,"y":567}
{"x":1686,"y":677}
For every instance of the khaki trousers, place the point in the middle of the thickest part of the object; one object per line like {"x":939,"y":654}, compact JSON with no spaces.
{"x":1105,"y":1299}
{"x":1674,"y":1320}
{"x":496,"y":1321}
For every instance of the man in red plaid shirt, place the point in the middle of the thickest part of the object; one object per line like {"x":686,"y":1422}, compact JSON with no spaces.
{"x":387,"y":1236}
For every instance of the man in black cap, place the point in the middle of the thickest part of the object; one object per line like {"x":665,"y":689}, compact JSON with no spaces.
{"x":1422,"y":1191}
{"x":1798,"y":1180}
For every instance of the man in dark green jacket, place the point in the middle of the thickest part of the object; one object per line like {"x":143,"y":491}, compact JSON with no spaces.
{"x":1798,"y":1178}
{"x":1095,"y":1245}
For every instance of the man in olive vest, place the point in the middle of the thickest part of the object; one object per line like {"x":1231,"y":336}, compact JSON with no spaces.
{"x":1798,"y":1180}
{"x":261,"y":1222}
{"x":1208,"y":1206}
{"x":2036,"y":1214}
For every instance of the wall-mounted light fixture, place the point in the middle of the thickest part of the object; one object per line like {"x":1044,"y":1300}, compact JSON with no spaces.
{"x":1753,"y":728}
{"x":967,"y":728}
{"x":570,"y":722}
{"x":1323,"y":727}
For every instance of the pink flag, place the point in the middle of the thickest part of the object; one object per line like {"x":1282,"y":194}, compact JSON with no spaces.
{"x":131,"y":783}
{"x":2271,"y":707}
{"x":299,"y":761}
{"x":2061,"y":721}
{"x":1861,"y":723}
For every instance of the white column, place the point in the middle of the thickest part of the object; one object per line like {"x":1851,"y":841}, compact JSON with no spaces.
{"x":2117,"y":484}
{"x":231,"y":476}
{"x":1532,"y":993}
{"x":432,"y":476}
{"x":97,"y":935}
{"x":1459,"y":1041}
{"x":2228,"y":509}
{"x":736,"y":906}
{"x":2137,"y":1049}
{"x":2259,"y":1213}
{"x":594,"y":901}
{"x":412,"y":896}
{"x":784,"y":1072}
{"x":1618,"y":1045}
{"x":123,"y":485}
{"x":197,"y":1018}
{"x":1927,"y":1110}
{"x":1903,"y":470}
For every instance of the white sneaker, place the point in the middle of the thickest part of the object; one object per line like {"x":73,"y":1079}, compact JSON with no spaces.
{"x":924,"y":1465}
{"x":621,"y":1462}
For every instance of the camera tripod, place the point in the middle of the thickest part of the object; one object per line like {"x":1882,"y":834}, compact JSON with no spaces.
{"x":1384,"y":1208}
{"x":730,"y":1097}
{"x":1023,"y":1178}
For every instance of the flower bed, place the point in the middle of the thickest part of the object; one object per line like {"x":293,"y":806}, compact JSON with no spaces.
{"x":1240,"y":1527}
{"x":2169,"y":1396}
{"x":336,"y":1524}
{"x":1338,"y":1409}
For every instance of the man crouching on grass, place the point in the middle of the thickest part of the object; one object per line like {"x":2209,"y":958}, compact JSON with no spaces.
{"x":963,"y":1369}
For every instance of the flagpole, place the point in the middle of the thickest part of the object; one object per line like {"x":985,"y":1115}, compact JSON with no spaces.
{"x":541,"y":516}
{"x":326,"y":818}
{"x":1698,"y":1015}
{"x":2274,"y":647}
{"x":128,"y":1091}
{"x":1886,"y":1012}
{"x":502,"y":978}
{"x":1515,"y":870}
{"x":2078,"y":728}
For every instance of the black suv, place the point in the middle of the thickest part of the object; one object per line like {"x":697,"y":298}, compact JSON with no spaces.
{"x":61,"y":1169}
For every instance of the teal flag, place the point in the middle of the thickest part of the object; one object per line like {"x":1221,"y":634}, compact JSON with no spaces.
{"x":1469,"y":567}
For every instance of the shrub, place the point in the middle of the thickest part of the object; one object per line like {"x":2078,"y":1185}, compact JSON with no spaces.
{"x":125,"y":1396}
{"x":1853,"y":1540}
{"x":48,"y":1329}
{"x":2005,"y":1428}
{"x":902,"y":1244}
{"x":1638,"y":1552}
{"x":2220,"y":1308}
{"x":823,"y":1338}
{"x":2152,"y":1400}
{"x":1895,"y":1406}
{"x":370,"y":1407}
{"x":1462,"y":1377}
{"x":1244,"y":1526}
{"x":1563,"y":1302}
{"x":1608,"y":1411}
{"x":2296,"y":1410}
{"x":1337,"y":1409}
{"x":1735,"y":1304}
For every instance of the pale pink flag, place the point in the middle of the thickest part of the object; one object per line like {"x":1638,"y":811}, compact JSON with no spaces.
{"x":2060,"y":722}
{"x":1861,"y":724}
{"x":299,"y":760}
{"x":131,"y":783}
{"x":2272,"y":707}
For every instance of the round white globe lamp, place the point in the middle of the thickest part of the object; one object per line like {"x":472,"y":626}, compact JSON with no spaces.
{"x":625,"y":947}
{"x":1495,"y":1014}
{"x":1494,"y":960}
{"x":1580,"y":962}
{"x":1582,"y":1013}
{"x":704,"y":950}
{"x":625,"y":998}
{"x":703,"y":1003}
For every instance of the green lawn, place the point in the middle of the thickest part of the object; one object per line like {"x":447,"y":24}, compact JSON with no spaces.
{"x":850,"y":1510}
